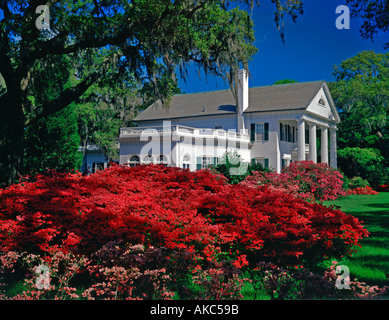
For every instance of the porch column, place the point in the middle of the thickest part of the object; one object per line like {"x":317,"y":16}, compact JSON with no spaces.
{"x":312,"y":143}
{"x":324,"y":145}
{"x":333,"y":155}
{"x":301,"y":141}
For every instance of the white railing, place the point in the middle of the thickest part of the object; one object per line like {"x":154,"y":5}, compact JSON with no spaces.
{"x":175,"y":129}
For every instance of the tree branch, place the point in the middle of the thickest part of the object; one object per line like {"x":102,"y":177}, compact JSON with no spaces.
{"x":71,"y":94}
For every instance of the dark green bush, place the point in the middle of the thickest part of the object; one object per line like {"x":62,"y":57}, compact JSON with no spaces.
{"x":366,"y":163}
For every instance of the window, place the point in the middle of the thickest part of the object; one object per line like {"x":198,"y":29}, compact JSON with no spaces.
{"x":259,"y":132}
{"x":148,"y":159}
{"x":205,"y":162}
{"x":162,"y":159}
{"x":322,"y":102}
{"x":264,"y":162}
{"x":96,"y":166}
{"x":282,"y":132}
{"x":134,"y":161}
{"x":186,"y":162}
{"x":218,"y":127}
{"x":285,"y":163}
{"x":290,"y":135}
{"x":287,"y":133}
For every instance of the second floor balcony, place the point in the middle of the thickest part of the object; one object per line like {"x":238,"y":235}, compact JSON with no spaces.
{"x":180,"y":130}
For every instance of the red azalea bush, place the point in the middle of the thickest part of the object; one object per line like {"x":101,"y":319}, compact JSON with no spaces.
{"x":362,"y":191}
{"x":304,"y":179}
{"x":172,"y":208}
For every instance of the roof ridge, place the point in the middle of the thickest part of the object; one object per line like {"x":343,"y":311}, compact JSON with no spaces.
{"x":291,"y":96}
{"x":264,"y":86}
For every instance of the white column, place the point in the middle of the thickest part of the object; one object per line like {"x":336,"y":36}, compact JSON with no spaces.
{"x":301,"y":141}
{"x":333,"y":155}
{"x":324,"y":145}
{"x":312,"y":143}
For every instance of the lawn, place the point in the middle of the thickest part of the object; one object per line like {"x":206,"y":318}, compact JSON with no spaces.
{"x":371,"y":262}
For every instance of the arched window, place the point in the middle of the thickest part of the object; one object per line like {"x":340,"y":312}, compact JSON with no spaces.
{"x":148,"y":159}
{"x":134,"y":161}
{"x":162,"y":159}
{"x":186,"y":161}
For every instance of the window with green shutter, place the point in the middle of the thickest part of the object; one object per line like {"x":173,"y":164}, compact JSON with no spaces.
{"x":259,"y":132}
{"x":198,"y":162}
{"x":264,"y":162}
{"x":252,"y":132}
{"x":266,"y":132}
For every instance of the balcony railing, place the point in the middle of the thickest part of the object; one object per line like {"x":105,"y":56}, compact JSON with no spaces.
{"x":179,"y":129}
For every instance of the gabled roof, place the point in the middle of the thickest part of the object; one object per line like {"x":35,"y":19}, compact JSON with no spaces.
{"x":293,"y":96}
{"x":189,"y":105}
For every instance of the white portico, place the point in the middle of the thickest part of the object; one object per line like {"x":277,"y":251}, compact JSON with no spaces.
{"x":309,"y":151}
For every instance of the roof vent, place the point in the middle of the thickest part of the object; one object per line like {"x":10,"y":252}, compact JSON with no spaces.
{"x":203,"y":109}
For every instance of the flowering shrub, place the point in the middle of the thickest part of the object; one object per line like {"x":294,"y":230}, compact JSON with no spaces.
{"x":362,"y":191}
{"x":99,"y":280}
{"x":218,"y":284}
{"x":357,"y":289}
{"x":148,"y":231}
{"x":356,"y":182}
{"x":299,"y":283}
{"x":108,"y":279}
{"x":304,"y":179}
{"x":172,"y":208}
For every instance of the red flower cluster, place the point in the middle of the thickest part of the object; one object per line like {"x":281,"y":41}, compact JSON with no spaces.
{"x":362,"y":191}
{"x":304,"y":179}
{"x":170,"y":207}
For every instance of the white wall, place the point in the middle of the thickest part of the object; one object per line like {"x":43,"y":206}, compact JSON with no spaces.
{"x":175,"y":150}
{"x":209,"y":122}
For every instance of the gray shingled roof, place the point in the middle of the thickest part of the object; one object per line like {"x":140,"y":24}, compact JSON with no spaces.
{"x":292,"y":96}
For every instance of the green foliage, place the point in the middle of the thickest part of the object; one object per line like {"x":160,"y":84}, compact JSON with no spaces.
{"x":375,"y":15}
{"x":367,"y":163}
{"x":95,"y":42}
{"x":361,"y":93}
{"x":53,"y":143}
{"x":357,"y":182}
{"x":231,"y":166}
{"x":285,"y":81}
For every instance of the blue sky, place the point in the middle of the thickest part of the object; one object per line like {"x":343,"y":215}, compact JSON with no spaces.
{"x":312,"y":47}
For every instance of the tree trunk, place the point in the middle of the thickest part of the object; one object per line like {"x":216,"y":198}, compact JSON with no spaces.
{"x":11,"y":137}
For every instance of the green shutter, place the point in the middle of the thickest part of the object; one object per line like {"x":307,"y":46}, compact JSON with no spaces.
{"x":198,"y":163}
{"x":266,"y":163}
{"x":266,"y":129}
{"x":253,"y":162}
{"x":252,"y":132}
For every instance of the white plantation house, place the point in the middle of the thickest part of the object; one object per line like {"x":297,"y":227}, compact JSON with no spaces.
{"x":274,"y":125}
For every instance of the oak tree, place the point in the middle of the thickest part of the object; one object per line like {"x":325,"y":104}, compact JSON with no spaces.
{"x":149,"y":39}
